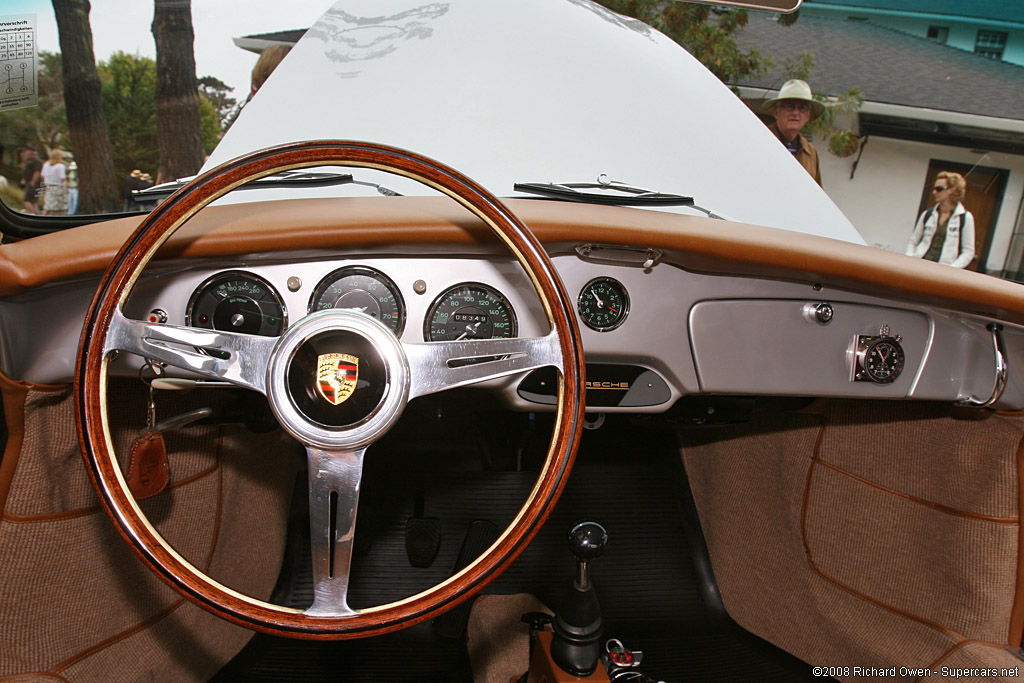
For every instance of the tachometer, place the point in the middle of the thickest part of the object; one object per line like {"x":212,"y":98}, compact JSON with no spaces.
{"x":361,"y":289}
{"x":470,"y":311}
{"x":235,"y":301}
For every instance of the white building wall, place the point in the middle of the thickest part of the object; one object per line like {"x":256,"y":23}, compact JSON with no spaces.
{"x":882,"y":198}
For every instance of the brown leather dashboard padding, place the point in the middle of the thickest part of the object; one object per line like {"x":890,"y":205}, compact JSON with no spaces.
{"x":374,"y":223}
{"x":872,"y":533}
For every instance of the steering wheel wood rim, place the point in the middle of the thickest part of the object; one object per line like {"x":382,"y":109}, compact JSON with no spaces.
{"x":91,"y":381}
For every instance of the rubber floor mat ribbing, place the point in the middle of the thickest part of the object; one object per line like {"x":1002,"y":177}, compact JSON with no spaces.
{"x":649,"y":580}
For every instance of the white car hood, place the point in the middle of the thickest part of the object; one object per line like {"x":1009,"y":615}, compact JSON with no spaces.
{"x":511,"y":91}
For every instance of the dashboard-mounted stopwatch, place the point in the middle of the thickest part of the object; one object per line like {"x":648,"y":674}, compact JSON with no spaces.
{"x":878,"y":358}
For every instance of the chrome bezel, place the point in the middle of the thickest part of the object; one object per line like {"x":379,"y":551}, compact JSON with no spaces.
{"x":625,"y":304}
{"x":205,"y":285}
{"x":395,"y":396}
{"x":337,"y":274}
{"x":478,"y":285}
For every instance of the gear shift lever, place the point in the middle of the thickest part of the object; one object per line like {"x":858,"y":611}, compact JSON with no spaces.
{"x":578,"y":626}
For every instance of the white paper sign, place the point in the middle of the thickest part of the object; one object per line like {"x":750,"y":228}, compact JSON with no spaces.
{"x":19,"y":58}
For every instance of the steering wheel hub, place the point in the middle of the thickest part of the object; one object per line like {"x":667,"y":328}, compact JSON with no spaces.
{"x":338,"y":379}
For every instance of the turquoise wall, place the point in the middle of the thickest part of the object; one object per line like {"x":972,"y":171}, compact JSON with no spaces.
{"x":962,"y":30}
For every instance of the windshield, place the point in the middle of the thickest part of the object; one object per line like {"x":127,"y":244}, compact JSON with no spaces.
{"x":891,"y":102}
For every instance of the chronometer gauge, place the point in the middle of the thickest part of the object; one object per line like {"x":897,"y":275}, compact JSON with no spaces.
{"x":884,"y":360}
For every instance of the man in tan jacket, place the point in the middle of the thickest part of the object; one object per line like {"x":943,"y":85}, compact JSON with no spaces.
{"x":793,"y":109}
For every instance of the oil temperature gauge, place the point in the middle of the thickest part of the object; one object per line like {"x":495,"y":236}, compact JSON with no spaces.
{"x":603,"y":304}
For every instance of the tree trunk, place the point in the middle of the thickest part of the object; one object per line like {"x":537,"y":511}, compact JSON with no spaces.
{"x":90,"y":139}
{"x":178,"y":128}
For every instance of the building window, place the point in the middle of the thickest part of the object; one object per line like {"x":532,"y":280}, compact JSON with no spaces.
{"x":938,"y":33}
{"x":990,"y":44}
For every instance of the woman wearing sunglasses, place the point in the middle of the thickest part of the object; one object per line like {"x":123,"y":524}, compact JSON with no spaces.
{"x":945,"y":232}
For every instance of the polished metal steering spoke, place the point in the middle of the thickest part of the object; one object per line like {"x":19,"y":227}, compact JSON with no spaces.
{"x":241,"y":359}
{"x":436,"y":366}
{"x":334,"y":478}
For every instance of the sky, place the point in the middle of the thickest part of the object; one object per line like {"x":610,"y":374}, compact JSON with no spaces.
{"x":124,"y":25}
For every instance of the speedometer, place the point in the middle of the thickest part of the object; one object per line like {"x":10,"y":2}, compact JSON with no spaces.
{"x":361,"y":289}
{"x":470,"y":311}
{"x":235,"y":301}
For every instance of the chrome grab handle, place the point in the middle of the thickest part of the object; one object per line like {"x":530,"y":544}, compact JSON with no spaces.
{"x":1001,"y":370}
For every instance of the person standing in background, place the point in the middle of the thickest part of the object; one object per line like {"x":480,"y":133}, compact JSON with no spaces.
{"x":793,"y":109}
{"x":72,"y":188}
{"x":31,"y":167}
{"x":945,"y":232}
{"x":55,"y":184}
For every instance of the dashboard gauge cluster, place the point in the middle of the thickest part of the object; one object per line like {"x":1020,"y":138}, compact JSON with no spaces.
{"x":603,"y":304}
{"x":361,"y":289}
{"x":235,"y":301}
{"x":239,"y":301}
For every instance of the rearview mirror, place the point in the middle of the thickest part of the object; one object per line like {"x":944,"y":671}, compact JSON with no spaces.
{"x":781,"y":6}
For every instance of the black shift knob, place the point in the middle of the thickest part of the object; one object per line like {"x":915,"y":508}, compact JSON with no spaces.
{"x":587,"y":540}
{"x":578,"y":624}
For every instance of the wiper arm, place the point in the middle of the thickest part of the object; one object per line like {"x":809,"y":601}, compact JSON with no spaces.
{"x":630,"y":195}
{"x":284,"y":179}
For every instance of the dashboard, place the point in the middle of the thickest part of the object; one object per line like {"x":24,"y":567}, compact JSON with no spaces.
{"x":668,"y":305}
{"x":652,"y":331}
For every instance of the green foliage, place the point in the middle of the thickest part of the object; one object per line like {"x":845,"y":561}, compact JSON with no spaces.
{"x":217,"y":93}
{"x":705,"y":31}
{"x":43,"y":126}
{"x":209,"y":124}
{"x":129,"y":92}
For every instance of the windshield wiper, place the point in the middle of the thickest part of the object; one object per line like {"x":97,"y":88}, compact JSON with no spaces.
{"x":158,"y":193}
{"x":628,"y":195}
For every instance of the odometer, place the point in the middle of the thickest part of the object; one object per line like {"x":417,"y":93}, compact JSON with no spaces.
{"x":470,"y":311}
{"x":361,"y":289}
{"x":234,"y":301}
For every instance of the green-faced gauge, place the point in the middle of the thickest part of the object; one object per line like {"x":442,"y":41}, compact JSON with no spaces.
{"x":235,"y":301}
{"x":470,"y":311}
{"x":603,"y":304}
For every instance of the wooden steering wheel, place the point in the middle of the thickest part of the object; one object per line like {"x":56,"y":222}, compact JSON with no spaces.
{"x":335,"y":435}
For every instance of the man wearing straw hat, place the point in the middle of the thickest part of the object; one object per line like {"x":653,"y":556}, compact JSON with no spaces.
{"x":793,"y":109}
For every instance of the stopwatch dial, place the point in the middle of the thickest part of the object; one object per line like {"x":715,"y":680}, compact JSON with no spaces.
{"x":361,"y":289}
{"x":470,"y":311}
{"x":884,"y":360}
{"x":237,"y":302}
{"x":603,"y":304}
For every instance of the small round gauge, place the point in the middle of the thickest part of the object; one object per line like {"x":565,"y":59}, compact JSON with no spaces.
{"x":884,"y":360}
{"x":235,"y":301}
{"x":470,"y":311}
{"x":603,"y":304}
{"x":361,"y":289}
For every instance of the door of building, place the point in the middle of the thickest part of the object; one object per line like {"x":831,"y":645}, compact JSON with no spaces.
{"x":985,"y":187}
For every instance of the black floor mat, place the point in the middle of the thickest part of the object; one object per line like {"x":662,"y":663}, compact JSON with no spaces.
{"x":651,"y":581}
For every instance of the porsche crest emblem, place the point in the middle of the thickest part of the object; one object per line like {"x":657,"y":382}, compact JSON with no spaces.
{"x":336,"y":375}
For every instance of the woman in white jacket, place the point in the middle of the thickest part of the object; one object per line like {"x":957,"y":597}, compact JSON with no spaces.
{"x":945,"y":232}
